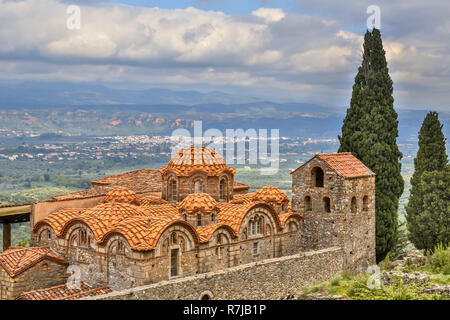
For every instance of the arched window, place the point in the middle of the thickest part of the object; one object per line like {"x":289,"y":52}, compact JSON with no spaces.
{"x":185,"y":217}
{"x":199,"y":220}
{"x":172,"y":194}
{"x":292,"y":226}
{"x":223,"y":192}
{"x":174,"y":238}
{"x":213,"y":217}
{"x":354,"y":207}
{"x":317,"y":177}
{"x":326,"y":204}
{"x":308,"y":206}
{"x":366,"y":203}
{"x":198,"y":186}
{"x":255,"y":225}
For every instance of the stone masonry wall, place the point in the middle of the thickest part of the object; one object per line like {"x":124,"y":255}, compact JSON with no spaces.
{"x":43,"y":275}
{"x":269,"y":279}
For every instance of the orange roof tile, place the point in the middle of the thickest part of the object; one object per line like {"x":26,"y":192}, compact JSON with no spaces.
{"x":345,"y":164}
{"x":144,"y":180}
{"x":243,"y":198}
{"x":152,"y":200}
{"x":284,"y":216}
{"x":198,"y":202}
{"x":270,"y":194}
{"x":112,"y":213}
{"x":233,"y":214}
{"x":167,"y":210}
{"x":58,"y":220}
{"x":16,"y":260}
{"x":202,"y":158}
{"x":122,"y":195}
{"x":205,"y":233}
{"x":62,"y":292}
{"x":143,"y":233}
{"x":238,"y":186}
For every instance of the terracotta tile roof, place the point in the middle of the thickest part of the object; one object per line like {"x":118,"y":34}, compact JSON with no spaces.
{"x":205,"y":233}
{"x":144,"y":180}
{"x":58,"y":220}
{"x":100,"y":218}
{"x":143,"y":233}
{"x":233,"y":214}
{"x":112,"y":213}
{"x":62,"y":292}
{"x":198,"y":202}
{"x":238,"y":186}
{"x":270,"y":194}
{"x":122,"y":195}
{"x":88,"y":293}
{"x":152,"y":200}
{"x":16,"y":260}
{"x":243,"y":198}
{"x":345,"y":164}
{"x":82,"y":194}
{"x":167,"y":210}
{"x":202,"y":158}
{"x":284,"y":216}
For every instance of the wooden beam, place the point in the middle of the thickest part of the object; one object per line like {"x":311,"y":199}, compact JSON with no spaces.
{"x":14,"y":210}
{"x":6,"y":236}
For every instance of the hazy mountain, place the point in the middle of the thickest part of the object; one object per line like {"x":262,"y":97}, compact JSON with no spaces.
{"x":35,"y":94}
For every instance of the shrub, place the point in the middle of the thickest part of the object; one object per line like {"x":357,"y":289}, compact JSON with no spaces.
{"x":440,"y":259}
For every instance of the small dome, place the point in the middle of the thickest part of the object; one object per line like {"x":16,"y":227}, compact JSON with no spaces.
{"x":152,"y":200}
{"x":197,"y":155}
{"x":114,"y":212}
{"x":194,"y":202}
{"x":121,"y":195}
{"x":195,"y":158}
{"x":270,"y":194}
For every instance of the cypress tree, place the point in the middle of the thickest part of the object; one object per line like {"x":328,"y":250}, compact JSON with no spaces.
{"x":431,"y":157}
{"x":370,"y":132}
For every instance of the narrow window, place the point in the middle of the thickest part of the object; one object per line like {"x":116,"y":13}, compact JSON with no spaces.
{"x":255,"y":248}
{"x":326,"y":204}
{"x":317,"y":177}
{"x":366,"y":203}
{"x":213,"y":217}
{"x":172,"y":192}
{"x":354,"y":207}
{"x":308,"y":206}
{"x":174,"y":262}
{"x":199,"y":220}
{"x":198,"y":186}
{"x":222,"y":190}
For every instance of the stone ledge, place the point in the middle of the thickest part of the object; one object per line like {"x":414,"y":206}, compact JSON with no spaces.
{"x":274,"y":261}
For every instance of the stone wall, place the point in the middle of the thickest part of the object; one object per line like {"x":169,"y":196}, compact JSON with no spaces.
{"x":269,"y":279}
{"x":341,"y":223}
{"x":43,"y":275}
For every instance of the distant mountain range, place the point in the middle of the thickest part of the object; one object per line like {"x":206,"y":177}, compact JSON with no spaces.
{"x":86,"y":109}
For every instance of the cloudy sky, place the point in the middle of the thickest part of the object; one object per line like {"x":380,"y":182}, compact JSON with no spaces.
{"x":285,"y":50}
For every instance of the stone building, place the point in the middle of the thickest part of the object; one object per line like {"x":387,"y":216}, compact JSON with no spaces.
{"x":25,"y":269}
{"x":336,"y":195}
{"x":191,"y":217}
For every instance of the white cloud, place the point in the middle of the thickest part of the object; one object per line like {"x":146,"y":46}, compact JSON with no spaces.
{"x":269,"y":51}
{"x":270,"y":14}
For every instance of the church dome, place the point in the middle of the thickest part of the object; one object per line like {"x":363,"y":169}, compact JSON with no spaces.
{"x":270,"y":194}
{"x":198,"y":202}
{"x":198,"y":158}
{"x":121,"y":195}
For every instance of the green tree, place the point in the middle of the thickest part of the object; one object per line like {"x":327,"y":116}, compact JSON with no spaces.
{"x":431,"y":158}
{"x":431,"y":225}
{"x":370,"y":132}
